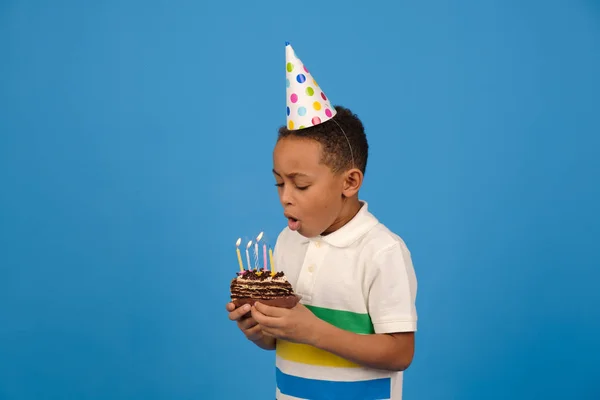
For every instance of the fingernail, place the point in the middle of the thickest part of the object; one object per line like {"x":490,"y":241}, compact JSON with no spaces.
{"x":246,"y":307}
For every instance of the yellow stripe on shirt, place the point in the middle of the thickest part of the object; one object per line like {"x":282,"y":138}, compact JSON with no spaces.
{"x":305,"y":354}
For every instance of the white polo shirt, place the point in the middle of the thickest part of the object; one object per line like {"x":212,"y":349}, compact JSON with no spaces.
{"x":359,"y":278}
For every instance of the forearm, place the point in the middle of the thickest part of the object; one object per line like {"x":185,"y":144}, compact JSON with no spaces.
{"x":379,"y":351}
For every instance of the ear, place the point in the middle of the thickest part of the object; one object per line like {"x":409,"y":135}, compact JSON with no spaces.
{"x":353,"y":179}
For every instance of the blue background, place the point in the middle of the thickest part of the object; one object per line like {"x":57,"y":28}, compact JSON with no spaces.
{"x":135,"y":147}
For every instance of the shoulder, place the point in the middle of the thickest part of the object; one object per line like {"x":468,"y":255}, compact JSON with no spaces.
{"x":383,"y":248}
{"x":371,"y":234}
{"x":389,"y":261}
{"x":380,"y":239}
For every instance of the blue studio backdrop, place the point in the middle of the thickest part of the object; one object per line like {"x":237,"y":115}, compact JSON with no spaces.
{"x":135,"y":148}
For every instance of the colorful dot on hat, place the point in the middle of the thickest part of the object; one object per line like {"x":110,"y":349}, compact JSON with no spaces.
{"x":302,"y":111}
{"x":317,"y":105}
{"x":287,"y":83}
{"x":301,"y":78}
{"x":294,"y":98}
{"x":323,"y":96}
{"x":290,"y":67}
{"x":310,"y":91}
{"x":291,"y":125}
{"x":315,"y":82}
{"x":301,"y":127}
{"x":288,"y":110}
{"x":327,"y":112}
{"x":316,"y":120}
{"x":306,"y":69}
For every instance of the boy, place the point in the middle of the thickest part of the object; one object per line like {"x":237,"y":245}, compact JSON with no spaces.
{"x":352,"y":334}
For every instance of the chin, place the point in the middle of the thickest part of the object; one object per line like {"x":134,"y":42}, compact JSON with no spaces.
{"x":308,"y":235}
{"x":303,"y":233}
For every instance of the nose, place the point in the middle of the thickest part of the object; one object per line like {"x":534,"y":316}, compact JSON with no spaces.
{"x":285,"y":195}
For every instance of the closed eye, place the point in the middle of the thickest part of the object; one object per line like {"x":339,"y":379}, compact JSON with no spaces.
{"x":297,"y":187}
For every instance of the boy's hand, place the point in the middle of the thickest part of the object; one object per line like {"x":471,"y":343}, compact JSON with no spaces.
{"x":245,"y":322}
{"x":298,"y":324}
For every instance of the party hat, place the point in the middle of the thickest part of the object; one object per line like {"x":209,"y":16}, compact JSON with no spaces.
{"x":307,"y":104}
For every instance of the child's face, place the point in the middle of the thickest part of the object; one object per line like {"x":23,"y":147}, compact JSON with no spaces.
{"x":309,"y":191}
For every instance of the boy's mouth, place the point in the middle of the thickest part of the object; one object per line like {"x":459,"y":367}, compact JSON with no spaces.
{"x":293,"y":223}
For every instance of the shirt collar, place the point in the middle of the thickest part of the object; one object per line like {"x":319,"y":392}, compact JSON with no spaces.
{"x":356,"y":228}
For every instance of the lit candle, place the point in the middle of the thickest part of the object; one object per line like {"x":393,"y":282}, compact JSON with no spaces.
{"x":271,"y":259}
{"x":260,"y":235}
{"x":248,"y":255}
{"x":239,"y":256}
{"x":256,"y":255}
{"x":265,"y":255}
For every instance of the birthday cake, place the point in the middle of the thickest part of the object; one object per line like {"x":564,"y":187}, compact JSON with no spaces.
{"x":270,"y":288}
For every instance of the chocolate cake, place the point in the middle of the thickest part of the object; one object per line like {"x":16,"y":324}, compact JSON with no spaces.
{"x":263,"y":286}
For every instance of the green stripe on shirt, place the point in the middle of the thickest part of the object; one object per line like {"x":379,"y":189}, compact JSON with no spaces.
{"x":347,"y":320}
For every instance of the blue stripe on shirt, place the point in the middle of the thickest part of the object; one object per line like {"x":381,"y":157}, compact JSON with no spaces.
{"x":313,"y":389}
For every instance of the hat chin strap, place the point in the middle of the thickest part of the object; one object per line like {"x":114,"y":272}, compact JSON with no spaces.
{"x":347,"y":140}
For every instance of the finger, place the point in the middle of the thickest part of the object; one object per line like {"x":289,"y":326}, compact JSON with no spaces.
{"x":247,"y":323}
{"x":239,"y":312}
{"x":253,"y":333}
{"x":264,"y":320}
{"x":230,"y":307}
{"x":265,"y":333}
{"x":271,"y":332}
{"x":271,"y":311}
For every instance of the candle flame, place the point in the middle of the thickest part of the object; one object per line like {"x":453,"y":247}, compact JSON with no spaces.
{"x":237,"y":244}
{"x":249,"y":244}
{"x":260,"y":235}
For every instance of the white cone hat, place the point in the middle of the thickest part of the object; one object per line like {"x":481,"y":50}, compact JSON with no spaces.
{"x":307,"y":104}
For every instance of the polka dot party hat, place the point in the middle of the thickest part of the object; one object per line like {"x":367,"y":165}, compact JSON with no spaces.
{"x":307,"y":104}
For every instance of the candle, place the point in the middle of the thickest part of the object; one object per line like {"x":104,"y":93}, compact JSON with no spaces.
{"x":256,"y":255}
{"x":260,"y":235}
{"x":265,"y":255}
{"x":248,"y":255}
{"x":271,"y":258}
{"x":239,"y":256}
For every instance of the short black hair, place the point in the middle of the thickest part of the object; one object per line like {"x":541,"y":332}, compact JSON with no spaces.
{"x":337,"y":154}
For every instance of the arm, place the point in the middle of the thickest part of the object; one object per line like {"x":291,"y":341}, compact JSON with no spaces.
{"x":391,"y":305}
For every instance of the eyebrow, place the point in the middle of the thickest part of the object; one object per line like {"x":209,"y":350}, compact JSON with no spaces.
{"x":292,"y":174}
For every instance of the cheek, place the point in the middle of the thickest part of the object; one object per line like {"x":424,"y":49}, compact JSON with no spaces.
{"x":324,"y":203}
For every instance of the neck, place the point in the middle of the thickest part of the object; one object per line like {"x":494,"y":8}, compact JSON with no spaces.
{"x":350,"y":207}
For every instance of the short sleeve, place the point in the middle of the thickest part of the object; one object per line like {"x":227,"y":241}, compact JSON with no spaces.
{"x":393,"y":290}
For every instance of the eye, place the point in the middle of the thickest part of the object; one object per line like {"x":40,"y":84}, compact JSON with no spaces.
{"x":279,"y":184}
{"x":302,"y":187}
